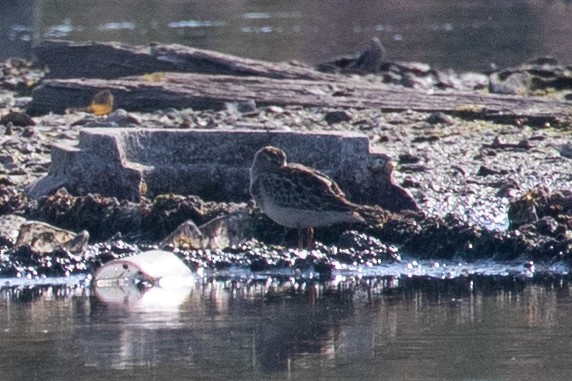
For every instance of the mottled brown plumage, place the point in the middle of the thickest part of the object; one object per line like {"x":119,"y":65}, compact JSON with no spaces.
{"x":297,"y":196}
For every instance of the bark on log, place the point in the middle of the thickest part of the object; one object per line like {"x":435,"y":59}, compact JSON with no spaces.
{"x":109,"y":60}
{"x":199,"y":91}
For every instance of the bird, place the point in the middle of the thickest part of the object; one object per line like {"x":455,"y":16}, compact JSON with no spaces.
{"x":297,"y":196}
{"x":101,"y":104}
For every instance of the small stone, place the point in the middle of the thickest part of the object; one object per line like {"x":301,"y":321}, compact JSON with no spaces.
{"x":487,"y":171}
{"x":122,"y":118}
{"x":333,"y":117}
{"x":275,"y":109}
{"x":409,"y":182}
{"x":439,"y":118}
{"x":370,"y":60}
{"x":20,"y":119}
{"x":547,"y":225}
{"x":28,"y":132}
{"x":242,"y":107}
{"x":407,"y":158}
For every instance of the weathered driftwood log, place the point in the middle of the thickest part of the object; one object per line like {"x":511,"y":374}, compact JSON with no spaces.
{"x":200,"y":91}
{"x":108,"y":60}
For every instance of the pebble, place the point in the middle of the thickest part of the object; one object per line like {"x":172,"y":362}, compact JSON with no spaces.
{"x":333,"y":117}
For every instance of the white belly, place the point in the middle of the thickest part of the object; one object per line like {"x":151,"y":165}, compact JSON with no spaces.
{"x":303,"y":218}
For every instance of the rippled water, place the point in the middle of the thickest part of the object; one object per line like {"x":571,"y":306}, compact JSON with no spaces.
{"x":471,"y":34}
{"x":409,"y":321}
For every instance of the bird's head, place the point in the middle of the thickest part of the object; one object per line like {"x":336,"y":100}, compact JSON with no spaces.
{"x":269,"y":158}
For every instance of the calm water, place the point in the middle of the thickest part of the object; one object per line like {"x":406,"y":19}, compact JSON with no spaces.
{"x":471,"y":322}
{"x":468,"y":34}
{"x":245,"y":326}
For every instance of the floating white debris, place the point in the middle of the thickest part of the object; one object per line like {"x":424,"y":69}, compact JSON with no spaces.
{"x":155,"y":267}
{"x":151,"y":278}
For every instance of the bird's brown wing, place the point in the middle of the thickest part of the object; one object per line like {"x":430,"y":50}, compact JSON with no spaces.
{"x":306,"y":188}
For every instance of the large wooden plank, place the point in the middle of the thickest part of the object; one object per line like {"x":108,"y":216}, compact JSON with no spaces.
{"x":199,"y":91}
{"x":107,"y":60}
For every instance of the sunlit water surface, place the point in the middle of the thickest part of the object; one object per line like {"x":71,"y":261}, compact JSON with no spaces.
{"x":415,"y":320}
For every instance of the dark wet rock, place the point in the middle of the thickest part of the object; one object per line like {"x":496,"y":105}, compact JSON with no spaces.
{"x":101,"y":216}
{"x":409,"y":182}
{"x":522,"y":211}
{"x":408,"y":158}
{"x":544,"y":75}
{"x":369,"y":61}
{"x":218,"y":233}
{"x":538,"y":203}
{"x":425,"y":138}
{"x":28,"y":132}
{"x":11,"y":198}
{"x":168,"y":211}
{"x":19,"y":119}
{"x":487,"y":171}
{"x":367,"y":245}
{"x":263,"y":257}
{"x":548,"y":226}
{"x":245,"y":108}
{"x":104,"y":217}
{"x":25,"y":262}
{"x":412,"y":80}
{"x":442,"y":238}
{"x":417,"y":235}
{"x":333,"y":117}
{"x":439,"y":118}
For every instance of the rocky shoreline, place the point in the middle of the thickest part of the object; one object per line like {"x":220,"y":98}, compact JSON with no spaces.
{"x":485,"y":188}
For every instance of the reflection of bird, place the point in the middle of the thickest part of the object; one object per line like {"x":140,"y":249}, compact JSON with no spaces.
{"x":296,"y":196}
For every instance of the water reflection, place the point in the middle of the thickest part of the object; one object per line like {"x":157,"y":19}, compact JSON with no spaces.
{"x":462,"y":35}
{"x":469,"y":327}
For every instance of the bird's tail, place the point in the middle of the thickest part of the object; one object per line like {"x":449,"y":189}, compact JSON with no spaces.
{"x":372,"y":215}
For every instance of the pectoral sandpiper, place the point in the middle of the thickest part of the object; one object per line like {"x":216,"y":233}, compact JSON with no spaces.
{"x":297,"y":196}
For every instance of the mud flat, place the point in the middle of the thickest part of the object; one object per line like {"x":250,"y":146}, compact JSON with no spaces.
{"x":483,"y":159}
